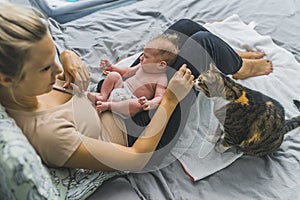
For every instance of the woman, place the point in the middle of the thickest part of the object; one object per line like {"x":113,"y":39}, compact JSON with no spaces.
{"x":28,"y":74}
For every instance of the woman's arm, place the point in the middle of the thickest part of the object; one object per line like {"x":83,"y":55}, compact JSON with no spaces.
{"x":99,"y":155}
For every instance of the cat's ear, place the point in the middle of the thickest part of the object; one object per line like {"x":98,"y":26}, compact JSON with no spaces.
{"x":213,"y":67}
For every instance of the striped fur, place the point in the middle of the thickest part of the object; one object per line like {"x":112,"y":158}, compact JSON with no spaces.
{"x":294,"y":122}
{"x":251,"y":121}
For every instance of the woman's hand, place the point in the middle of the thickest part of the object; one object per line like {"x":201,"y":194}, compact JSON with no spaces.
{"x":74,"y":70}
{"x":180,"y":84}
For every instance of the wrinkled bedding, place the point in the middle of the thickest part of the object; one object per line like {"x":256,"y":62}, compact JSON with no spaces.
{"x":67,"y":10}
{"x":122,"y":32}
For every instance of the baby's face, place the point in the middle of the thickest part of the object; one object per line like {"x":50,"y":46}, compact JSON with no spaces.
{"x":149,"y":61}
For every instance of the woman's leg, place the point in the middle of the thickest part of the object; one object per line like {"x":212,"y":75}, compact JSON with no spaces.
{"x":199,"y":48}
{"x":204,"y":48}
{"x":185,"y":28}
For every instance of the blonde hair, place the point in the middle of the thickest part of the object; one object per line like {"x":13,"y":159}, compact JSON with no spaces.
{"x":167,"y":46}
{"x":20,"y":28}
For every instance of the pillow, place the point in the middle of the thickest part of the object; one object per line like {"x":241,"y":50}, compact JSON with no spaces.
{"x":23,"y":175}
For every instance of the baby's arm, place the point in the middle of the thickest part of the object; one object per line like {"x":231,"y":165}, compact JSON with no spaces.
{"x":106,"y":65}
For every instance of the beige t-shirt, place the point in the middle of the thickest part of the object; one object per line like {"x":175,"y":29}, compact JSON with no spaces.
{"x":57,"y":132}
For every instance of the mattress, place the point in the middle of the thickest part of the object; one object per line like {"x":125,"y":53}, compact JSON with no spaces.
{"x":119,"y":32}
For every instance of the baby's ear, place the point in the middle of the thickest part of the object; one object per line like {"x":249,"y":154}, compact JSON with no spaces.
{"x":163,"y":64}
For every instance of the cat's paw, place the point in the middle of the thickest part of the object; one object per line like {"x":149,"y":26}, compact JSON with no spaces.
{"x":212,"y":138}
{"x":220,"y":148}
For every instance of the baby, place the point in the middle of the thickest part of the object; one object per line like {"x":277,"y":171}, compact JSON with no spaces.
{"x":145,"y":83}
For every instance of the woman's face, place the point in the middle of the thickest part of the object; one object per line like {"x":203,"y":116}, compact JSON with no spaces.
{"x":40,"y":71}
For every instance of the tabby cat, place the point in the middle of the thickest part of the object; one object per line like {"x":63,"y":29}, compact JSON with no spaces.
{"x":249,"y":120}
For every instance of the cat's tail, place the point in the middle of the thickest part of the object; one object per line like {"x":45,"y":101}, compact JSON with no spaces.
{"x":297,"y":103}
{"x":291,"y":124}
{"x":294,"y":122}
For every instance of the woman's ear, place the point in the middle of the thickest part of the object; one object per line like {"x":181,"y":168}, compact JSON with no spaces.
{"x":5,"y":80}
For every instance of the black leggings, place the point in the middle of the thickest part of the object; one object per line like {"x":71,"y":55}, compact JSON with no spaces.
{"x":198,"y":48}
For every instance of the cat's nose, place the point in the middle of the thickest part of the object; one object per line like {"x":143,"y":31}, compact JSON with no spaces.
{"x":196,"y":81}
{"x":196,"y":84}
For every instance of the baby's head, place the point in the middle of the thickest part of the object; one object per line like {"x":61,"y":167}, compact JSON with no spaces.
{"x":161,"y":50}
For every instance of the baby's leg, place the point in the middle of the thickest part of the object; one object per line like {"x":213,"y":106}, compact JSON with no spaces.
{"x":112,"y":81}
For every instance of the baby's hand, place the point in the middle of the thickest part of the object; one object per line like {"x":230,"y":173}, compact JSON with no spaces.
{"x":104,"y":64}
{"x":144,"y":103}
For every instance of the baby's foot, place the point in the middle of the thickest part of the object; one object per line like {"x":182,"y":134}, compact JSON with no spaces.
{"x":144,"y":103}
{"x":251,"y":54}
{"x":94,"y":97}
{"x":102,"y":106}
{"x":254,"y":67}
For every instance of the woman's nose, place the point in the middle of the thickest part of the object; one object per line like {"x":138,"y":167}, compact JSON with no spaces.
{"x":57,"y":69}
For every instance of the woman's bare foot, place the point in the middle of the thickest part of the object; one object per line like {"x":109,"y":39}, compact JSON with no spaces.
{"x":251,"y":54}
{"x":254,"y":67}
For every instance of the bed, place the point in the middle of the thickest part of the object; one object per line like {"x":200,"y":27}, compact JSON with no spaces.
{"x":120,"y":32}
